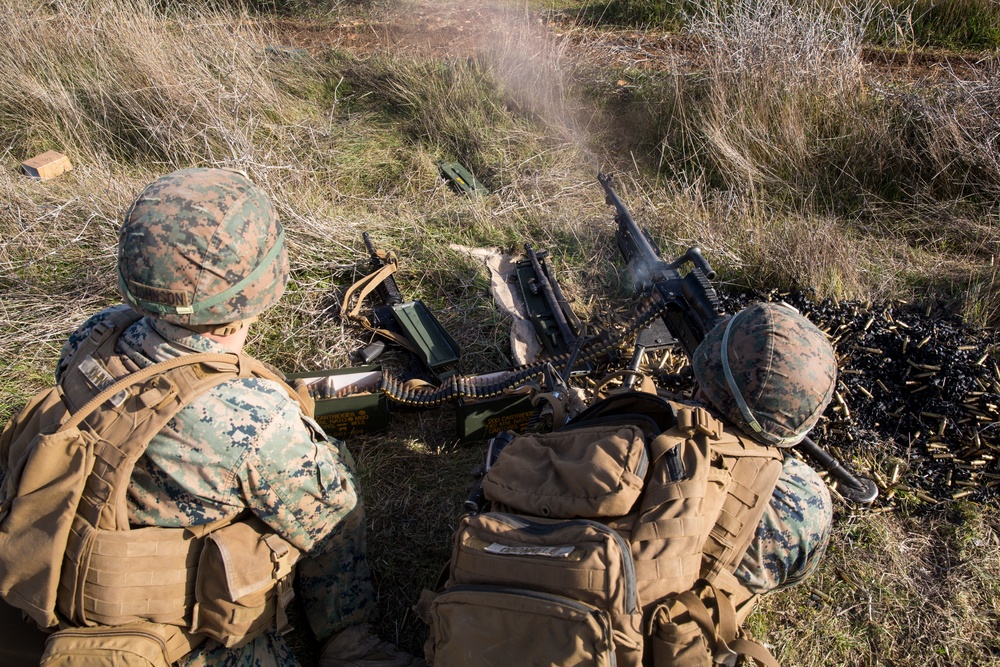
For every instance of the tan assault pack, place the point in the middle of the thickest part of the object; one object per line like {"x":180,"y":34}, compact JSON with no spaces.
{"x":611,"y":541}
{"x":72,"y":563}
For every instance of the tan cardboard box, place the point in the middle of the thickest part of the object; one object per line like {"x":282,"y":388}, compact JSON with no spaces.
{"x":46,"y":165}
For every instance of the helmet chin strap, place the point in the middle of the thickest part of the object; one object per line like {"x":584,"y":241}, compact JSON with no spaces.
{"x":731,"y":381}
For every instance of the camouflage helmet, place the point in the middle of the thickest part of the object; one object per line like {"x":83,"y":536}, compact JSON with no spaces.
{"x":202,"y":247}
{"x":769,"y":370}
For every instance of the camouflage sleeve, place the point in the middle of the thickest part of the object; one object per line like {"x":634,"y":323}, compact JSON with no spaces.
{"x":792,"y":534}
{"x":297,"y":482}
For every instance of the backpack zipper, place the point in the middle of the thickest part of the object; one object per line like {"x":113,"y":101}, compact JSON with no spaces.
{"x":616,"y":420}
{"x":535,"y":528}
{"x":111,"y":631}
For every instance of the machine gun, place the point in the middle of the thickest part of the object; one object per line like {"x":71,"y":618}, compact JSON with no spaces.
{"x":692,"y":305}
{"x":692,"y":309}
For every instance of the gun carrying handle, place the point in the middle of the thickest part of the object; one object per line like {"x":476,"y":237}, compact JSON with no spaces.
{"x":694,"y":254}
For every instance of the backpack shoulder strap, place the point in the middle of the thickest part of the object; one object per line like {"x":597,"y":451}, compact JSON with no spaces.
{"x":100,"y":342}
{"x":125,"y":409}
{"x":689,"y":421}
{"x":711,"y":502}
{"x":754,"y":470}
{"x":123,"y":430}
{"x":153,"y":396}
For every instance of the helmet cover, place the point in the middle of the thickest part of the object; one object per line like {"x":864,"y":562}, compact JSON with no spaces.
{"x":202,"y":247}
{"x":782,"y":372}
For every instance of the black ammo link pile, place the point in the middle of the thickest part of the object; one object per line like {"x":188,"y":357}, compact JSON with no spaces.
{"x":918,"y":393}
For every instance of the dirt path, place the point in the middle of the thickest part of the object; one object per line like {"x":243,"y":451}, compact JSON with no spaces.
{"x":450,"y":30}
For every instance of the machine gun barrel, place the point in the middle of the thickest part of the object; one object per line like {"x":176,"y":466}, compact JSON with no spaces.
{"x":693,"y":306}
{"x":637,"y":248}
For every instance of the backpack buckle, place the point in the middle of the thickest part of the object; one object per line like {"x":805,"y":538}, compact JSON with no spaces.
{"x":699,"y":421}
{"x":157,"y":392}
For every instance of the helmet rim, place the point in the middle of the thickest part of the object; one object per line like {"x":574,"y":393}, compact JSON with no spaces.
{"x":781,"y":372}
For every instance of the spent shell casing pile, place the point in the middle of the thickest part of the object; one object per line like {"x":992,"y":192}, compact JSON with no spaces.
{"x":918,"y":397}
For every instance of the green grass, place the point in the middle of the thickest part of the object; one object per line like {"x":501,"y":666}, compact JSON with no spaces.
{"x":636,"y":13}
{"x":964,"y":25}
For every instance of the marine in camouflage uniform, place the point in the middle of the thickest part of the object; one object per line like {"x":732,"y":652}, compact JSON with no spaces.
{"x":771,"y":373}
{"x":201,"y":255}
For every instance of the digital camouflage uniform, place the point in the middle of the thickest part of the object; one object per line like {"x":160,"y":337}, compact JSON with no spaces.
{"x":792,"y":534}
{"x":784,"y":370}
{"x":245,"y":444}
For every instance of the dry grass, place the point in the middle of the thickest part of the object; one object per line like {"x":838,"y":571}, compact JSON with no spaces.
{"x":761,"y":134}
{"x":924,"y":592}
{"x":782,"y":135}
{"x":119,"y":83}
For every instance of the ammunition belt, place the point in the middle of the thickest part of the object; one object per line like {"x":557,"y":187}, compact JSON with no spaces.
{"x":474,"y":387}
